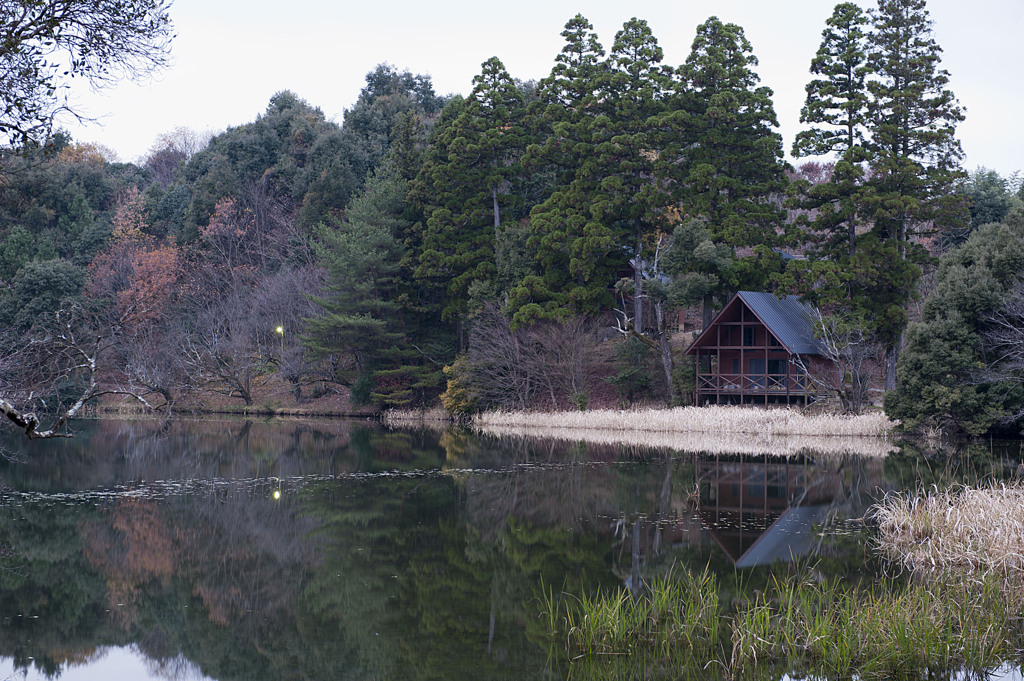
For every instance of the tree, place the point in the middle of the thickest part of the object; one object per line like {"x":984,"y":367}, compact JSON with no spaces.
{"x":470,"y":181}
{"x":46,"y":43}
{"x":732,"y":173}
{"x":574,"y":247}
{"x":633,"y":90}
{"x":375,"y":331}
{"x":134,"y":271}
{"x":837,"y":99}
{"x":1003,"y":345}
{"x":915,"y":155}
{"x":836,"y":106}
{"x":699,"y":267}
{"x":849,"y":346}
{"x":515,"y":368}
{"x":989,"y":196}
{"x":362,"y":255}
{"x":59,"y":367}
{"x":955,"y":372}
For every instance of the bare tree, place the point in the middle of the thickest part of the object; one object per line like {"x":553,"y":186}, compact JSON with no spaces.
{"x":848,"y":347}
{"x":60,"y":367}
{"x":1003,"y":345}
{"x":497,"y":356}
{"x":514,"y":368}
{"x":560,"y":355}
{"x":282,"y":302}
{"x":222,"y":353}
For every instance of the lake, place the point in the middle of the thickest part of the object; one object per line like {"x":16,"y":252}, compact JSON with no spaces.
{"x":244,"y":549}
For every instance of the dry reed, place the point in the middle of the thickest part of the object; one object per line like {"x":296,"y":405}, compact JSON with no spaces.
{"x":707,"y":443}
{"x":973,"y":529}
{"x":405,"y":417}
{"x":716,"y":419}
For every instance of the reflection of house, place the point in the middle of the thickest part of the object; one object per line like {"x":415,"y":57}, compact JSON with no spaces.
{"x":759,"y":350}
{"x":758,"y":512}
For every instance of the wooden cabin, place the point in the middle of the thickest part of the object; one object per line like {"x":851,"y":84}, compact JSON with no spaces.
{"x":760,"y":350}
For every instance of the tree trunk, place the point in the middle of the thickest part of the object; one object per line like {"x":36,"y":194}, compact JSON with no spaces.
{"x":497,"y":211}
{"x":638,"y":287}
{"x":666,"y":352}
{"x":666,"y":363}
{"x":891,"y":355}
{"x":707,"y":312}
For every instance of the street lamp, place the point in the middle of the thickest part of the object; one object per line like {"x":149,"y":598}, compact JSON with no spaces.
{"x":280,"y":332}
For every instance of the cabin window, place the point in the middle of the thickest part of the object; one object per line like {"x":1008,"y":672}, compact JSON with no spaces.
{"x":777,"y":367}
{"x":757,"y":374}
{"x":736,"y":366}
{"x":748,"y":336}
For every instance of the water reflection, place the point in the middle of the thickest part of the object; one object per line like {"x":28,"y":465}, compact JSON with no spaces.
{"x":295,"y":550}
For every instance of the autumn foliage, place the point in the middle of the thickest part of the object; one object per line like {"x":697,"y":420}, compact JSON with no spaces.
{"x":135,"y":272}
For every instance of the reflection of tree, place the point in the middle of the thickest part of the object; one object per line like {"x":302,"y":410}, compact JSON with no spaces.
{"x":422,"y":595}
{"x":212,"y":579}
{"x":54,"y":603}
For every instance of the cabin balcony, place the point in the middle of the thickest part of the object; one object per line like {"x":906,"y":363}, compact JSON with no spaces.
{"x":756,"y":389}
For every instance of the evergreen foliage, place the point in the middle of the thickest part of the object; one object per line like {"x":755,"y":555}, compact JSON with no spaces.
{"x":945,"y":370}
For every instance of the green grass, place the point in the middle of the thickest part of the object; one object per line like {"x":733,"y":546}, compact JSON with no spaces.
{"x":675,"y":611}
{"x":817,"y":628}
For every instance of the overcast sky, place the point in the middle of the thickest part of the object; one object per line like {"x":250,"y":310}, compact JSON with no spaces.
{"x":229,"y":58}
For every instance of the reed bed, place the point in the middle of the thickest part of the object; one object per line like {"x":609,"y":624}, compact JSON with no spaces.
{"x":716,"y":420}
{"x":800,"y":625}
{"x":674,"y":614}
{"x":406,"y":417}
{"x":967,"y":529}
{"x":708,"y":443}
{"x":957,"y":624}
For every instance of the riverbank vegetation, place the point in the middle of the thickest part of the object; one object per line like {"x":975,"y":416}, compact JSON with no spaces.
{"x":967,"y":529}
{"x":544,"y":244}
{"x":712,"y":419}
{"x":955,"y":607}
{"x":799,"y":625}
{"x":714,"y":429}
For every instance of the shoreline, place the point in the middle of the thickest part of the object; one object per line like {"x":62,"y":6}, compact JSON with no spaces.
{"x":718,"y":429}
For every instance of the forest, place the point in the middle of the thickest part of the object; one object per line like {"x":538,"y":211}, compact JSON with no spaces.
{"x":543,"y":244}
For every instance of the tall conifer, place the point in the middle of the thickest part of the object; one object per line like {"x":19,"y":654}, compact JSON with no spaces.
{"x":915,"y":155}
{"x":733,"y":170}
{"x":470,"y":179}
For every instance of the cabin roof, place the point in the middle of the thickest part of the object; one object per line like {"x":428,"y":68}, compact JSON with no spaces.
{"x":788,"y":319}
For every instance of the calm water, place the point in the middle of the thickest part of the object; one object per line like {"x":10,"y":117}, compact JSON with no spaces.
{"x":231,"y":549}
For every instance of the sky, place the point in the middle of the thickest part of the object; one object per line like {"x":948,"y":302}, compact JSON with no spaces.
{"x":229,"y":58}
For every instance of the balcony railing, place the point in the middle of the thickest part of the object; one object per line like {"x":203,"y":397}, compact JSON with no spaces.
{"x":760,"y":384}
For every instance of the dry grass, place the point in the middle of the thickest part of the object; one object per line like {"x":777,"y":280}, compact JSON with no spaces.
{"x":707,"y":443}
{"x":715,"y":420}
{"x":414,"y":417}
{"x":974,"y":529}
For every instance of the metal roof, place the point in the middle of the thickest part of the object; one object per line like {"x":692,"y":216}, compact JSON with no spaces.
{"x":788,"y":319}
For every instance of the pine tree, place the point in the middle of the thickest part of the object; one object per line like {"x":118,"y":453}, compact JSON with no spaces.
{"x":470,"y":180}
{"x":915,"y":155}
{"x":575,"y":246}
{"x":836,"y":107}
{"x":732,"y":171}
{"x":361,"y":255}
{"x":837,"y":99}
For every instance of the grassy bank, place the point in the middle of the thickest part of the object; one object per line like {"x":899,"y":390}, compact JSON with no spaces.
{"x":966,"y":529}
